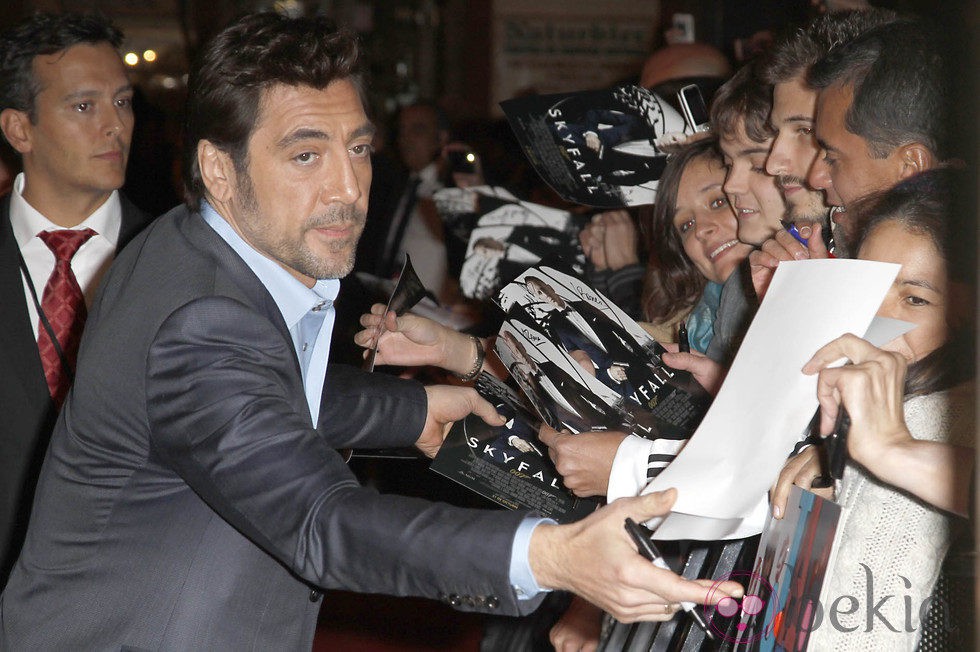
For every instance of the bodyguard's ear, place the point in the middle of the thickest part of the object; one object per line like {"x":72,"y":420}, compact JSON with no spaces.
{"x":16,"y":126}
{"x":217,"y":171}
{"x":915,"y":158}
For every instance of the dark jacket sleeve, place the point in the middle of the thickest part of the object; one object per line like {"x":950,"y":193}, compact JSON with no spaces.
{"x":220,"y":391}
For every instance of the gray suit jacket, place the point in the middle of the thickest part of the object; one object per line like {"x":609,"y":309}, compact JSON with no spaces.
{"x":28,"y":413}
{"x":186,"y":501}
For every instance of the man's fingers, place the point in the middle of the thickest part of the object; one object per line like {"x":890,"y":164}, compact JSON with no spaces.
{"x":762,"y":258}
{"x":791,"y":248}
{"x":815,"y":243}
{"x":483,"y":409}
{"x":658,"y":503}
{"x":548,"y":435}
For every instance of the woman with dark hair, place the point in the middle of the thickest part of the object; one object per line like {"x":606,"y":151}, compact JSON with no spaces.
{"x":910,"y":404}
{"x":691,"y":236}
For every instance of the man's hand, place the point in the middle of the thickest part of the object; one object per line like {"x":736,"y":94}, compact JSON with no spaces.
{"x":447,"y":405}
{"x":621,"y":240}
{"x":706,"y":371}
{"x":593,"y":238}
{"x":596,"y":559}
{"x":583,"y":460}
{"x":783,"y":246}
{"x":578,"y":629}
{"x":800,"y":470}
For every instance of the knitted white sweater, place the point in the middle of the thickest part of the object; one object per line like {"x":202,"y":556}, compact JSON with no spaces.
{"x":896,"y":540}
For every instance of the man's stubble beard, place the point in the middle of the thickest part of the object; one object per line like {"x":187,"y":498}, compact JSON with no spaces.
{"x":297,"y":254}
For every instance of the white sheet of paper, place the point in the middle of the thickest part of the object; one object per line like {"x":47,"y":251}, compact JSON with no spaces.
{"x":765,"y":402}
{"x":884,"y":329}
{"x":684,"y":526}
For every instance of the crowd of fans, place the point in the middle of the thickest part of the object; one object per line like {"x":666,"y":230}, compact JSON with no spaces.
{"x":841,"y":129}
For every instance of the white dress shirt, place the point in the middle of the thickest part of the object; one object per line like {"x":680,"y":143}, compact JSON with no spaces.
{"x":89,"y":263}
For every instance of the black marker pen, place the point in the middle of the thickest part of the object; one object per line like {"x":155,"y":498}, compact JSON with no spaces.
{"x":646,"y":548}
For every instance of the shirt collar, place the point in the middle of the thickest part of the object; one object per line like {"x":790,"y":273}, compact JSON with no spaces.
{"x":292,"y":297}
{"x":26,"y":221}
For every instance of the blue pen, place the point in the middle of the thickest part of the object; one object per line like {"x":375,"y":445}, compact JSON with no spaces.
{"x":795,"y":232}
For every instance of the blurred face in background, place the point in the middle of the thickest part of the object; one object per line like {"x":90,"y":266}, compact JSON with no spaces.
{"x":420,"y":140}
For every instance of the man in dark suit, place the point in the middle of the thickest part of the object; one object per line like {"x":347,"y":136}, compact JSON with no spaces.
{"x":192,"y":496}
{"x":73,"y":138}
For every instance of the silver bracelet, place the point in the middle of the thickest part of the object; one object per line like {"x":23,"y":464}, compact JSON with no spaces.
{"x":481,"y":355}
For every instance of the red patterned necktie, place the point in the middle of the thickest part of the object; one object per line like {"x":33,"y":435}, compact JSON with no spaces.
{"x":64,"y":305}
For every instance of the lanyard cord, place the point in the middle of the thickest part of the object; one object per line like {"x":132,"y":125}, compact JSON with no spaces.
{"x":44,"y":319}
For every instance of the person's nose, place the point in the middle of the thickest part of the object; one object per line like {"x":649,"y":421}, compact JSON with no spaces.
{"x":736,"y":181}
{"x":819,"y":177}
{"x":342,"y":184}
{"x":777,"y":162}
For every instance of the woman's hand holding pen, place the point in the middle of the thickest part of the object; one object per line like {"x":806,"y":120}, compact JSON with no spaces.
{"x":871,"y":389}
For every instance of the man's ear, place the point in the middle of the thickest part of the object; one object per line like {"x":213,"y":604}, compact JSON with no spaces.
{"x":217,"y":171}
{"x":17,"y":129}
{"x":915,"y":158}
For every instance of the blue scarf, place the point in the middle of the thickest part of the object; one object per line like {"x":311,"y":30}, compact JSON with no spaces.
{"x":701,"y":322}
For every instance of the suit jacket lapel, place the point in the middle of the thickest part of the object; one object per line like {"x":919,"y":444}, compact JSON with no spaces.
{"x":16,"y":336}
{"x":238,"y":278}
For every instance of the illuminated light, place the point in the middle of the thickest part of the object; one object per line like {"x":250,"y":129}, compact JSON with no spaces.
{"x":131,"y":59}
{"x":470,"y":157}
{"x":149,"y":55}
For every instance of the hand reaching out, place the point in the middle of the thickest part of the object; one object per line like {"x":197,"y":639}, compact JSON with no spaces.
{"x":783,"y":246}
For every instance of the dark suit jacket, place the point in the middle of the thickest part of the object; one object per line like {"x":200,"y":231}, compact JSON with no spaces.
{"x":187,"y":502}
{"x":28,"y":414}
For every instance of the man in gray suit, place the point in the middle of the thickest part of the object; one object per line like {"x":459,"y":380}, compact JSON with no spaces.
{"x":192,"y":496}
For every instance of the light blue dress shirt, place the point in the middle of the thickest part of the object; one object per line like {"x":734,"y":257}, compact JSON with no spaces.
{"x":309,"y":316}
{"x":295,"y":301}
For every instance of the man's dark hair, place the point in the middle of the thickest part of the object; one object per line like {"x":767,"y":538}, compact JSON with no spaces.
{"x":792,"y":55}
{"x":744,"y":100}
{"x":44,"y":33}
{"x":253,"y":54}
{"x":899,"y":85}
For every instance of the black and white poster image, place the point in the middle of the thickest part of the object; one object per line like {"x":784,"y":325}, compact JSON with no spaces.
{"x":507,"y":464}
{"x":625,"y":359}
{"x":408,"y":292}
{"x":599,"y":148}
{"x":563,"y":393}
{"x":509,"y":235}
